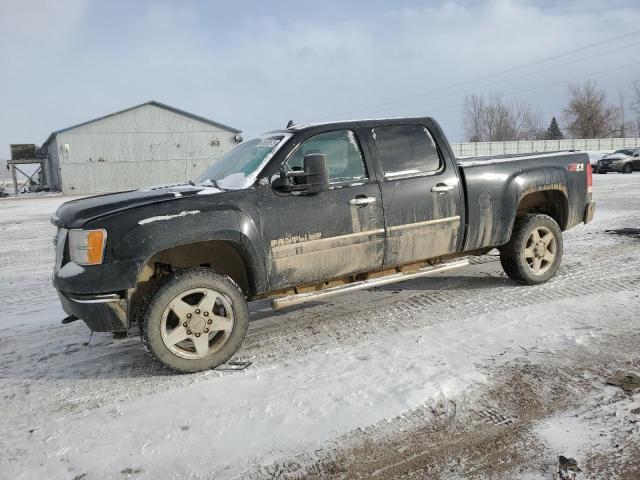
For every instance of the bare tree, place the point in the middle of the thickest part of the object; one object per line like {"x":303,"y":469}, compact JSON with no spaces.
{"x":635,"y":96}
{"x":624,"y":128}
{"x":492,"y":119}
{"x":635,"y":102}
{"x":588,"y":115}
{"x":473,"y":112}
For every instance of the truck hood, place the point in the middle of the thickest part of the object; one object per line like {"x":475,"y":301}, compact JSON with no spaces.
{"x":615,"y":156}
{"x":76,"y":213}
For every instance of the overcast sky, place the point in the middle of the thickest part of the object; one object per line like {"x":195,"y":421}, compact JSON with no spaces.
{"x":256,"y":64}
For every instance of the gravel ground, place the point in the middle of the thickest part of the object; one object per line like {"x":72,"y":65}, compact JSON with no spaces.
{"x":464,"y":375}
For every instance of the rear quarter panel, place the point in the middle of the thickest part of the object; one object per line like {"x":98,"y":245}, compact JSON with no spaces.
{"x":495,"y":187}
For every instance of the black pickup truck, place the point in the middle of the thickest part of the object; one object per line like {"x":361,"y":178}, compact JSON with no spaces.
{"x":299,"y":214}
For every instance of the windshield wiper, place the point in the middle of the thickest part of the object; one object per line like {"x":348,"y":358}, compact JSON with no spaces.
{"x":209,"y":182}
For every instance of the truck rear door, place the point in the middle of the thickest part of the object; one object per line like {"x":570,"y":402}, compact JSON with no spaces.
{"x":420,"y":193}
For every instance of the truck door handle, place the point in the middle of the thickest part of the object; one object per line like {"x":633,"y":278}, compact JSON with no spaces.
{"x":442,"y":188}
{"x":362,"y":200}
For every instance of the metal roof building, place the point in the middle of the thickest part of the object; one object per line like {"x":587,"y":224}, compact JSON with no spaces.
{"x":148,"y":144}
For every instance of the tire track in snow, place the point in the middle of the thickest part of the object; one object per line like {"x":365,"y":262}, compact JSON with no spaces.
{"x":54,"y":355}
{"x":487,"y":432}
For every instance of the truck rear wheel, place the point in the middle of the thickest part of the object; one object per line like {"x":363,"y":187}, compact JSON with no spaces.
{"x":195,"y":321}
{"x":534,"y":252}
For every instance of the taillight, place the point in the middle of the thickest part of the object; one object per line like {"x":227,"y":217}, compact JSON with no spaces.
{"x":589,"y":178}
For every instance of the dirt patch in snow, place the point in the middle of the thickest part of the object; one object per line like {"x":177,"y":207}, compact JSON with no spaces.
{"x":536,"y":410}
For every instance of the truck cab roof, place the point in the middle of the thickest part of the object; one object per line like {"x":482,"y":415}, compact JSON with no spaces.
{"x":370,"y":122}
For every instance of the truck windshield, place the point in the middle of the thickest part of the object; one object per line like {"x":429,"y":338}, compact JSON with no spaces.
{"x":240,"y":166}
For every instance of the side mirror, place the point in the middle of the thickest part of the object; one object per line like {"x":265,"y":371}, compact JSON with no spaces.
{"x":316,"y":175}
{"x":313,"y":178}
{"x":283,"y":182}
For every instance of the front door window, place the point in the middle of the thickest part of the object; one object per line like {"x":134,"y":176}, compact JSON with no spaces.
{"x":344,"y":157}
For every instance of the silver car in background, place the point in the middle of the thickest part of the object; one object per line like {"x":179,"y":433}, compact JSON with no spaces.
{"x":625,"y":160}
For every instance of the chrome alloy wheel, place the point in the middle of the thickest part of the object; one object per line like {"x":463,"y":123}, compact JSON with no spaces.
{"x":540,"y":250}
{"x":197,"y":323}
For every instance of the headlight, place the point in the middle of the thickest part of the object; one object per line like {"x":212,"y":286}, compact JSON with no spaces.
{"x":86,"y":247}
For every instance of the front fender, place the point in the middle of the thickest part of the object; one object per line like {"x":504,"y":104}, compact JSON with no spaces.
{"x":619,"y":166}
{"x":134,"y":236}
{"x":231,"y":226}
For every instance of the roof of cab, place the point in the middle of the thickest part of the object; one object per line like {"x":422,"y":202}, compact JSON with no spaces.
{"x":350,"y":123}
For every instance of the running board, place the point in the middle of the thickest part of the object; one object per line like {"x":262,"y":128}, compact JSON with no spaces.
{"x":282,"y":302}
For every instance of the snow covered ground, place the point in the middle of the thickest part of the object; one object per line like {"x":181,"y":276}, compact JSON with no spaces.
{"x":464,"y":375}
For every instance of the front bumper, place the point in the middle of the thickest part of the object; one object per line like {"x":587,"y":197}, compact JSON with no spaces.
{"x":101,"y":312}
{"x":96,"y":294}
{"x":609,"y":167}
{"x":103,"y":278}
{"x":589,"y":212}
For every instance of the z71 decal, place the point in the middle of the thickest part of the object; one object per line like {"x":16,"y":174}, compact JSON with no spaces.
{"x":576,"y":167}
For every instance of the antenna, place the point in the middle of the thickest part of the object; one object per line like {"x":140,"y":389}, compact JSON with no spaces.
{"x":290,"y":124}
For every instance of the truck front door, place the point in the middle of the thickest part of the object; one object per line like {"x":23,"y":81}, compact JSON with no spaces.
{"x":327,"y":235}
{"x":420,"y":193}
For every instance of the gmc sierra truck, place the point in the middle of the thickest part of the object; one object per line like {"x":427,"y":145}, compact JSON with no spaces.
{"x":299,"y":214}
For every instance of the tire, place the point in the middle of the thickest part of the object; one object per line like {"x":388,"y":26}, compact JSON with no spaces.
{"x":628,"y":168}
{"x":195,"y":321}
{"x":521,"y":256}
{"x":601,"y":172}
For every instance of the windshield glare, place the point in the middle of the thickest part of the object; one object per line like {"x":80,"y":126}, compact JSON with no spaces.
{"x":240,"y":166}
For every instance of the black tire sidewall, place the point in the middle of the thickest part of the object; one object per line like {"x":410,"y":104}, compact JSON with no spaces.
{"x":512,"y":255}
{"x":175,"y":284}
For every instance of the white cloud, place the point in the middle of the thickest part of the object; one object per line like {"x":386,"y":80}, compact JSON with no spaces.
{"x":33,"y":21}
{"x":257,"y":70}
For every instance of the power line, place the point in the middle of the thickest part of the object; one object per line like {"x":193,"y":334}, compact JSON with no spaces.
{"x":551,"y":84}
{"x":466,"y":91}
{"x":508,"y":79}
{"x":485,"y":77}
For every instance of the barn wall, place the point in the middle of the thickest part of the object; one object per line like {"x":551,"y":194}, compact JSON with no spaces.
{"x":140,"y":147}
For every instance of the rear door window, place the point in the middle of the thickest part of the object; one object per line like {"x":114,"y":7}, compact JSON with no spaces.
{"x":406,"y":150}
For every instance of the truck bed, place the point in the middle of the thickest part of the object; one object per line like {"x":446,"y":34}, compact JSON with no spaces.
{"x":494,"y":187}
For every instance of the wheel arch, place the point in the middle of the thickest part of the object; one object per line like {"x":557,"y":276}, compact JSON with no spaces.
{"x":549,"y":201}
{"x":224,"y":256}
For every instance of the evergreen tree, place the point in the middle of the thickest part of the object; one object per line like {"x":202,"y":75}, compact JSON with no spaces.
{"x":554,"y":132}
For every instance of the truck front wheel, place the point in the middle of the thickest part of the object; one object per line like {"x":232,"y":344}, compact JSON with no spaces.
{"x":534,"y":252}
{"x":195,"y":321}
